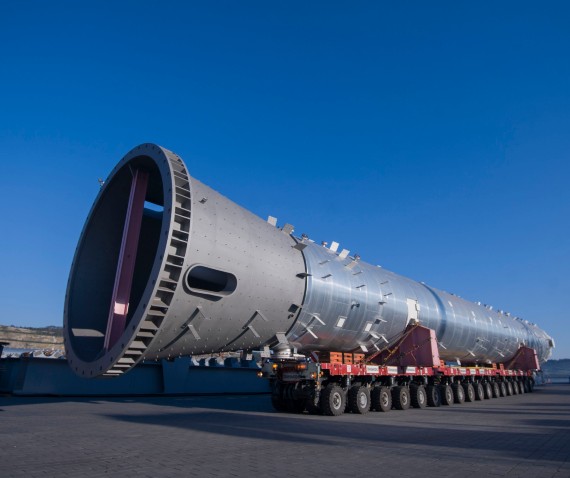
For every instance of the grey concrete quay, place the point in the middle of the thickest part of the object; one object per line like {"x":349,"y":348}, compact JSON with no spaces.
{"x":519,"y":436}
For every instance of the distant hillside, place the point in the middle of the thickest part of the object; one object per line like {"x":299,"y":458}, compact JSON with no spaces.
{"x":32,"y":338}
{"x":557,"y":368}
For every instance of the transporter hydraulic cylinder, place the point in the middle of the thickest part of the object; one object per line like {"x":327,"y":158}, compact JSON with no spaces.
{"x":167,"y":267}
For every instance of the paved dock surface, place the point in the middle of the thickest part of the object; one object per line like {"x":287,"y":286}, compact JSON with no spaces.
{"x":519,"y":436}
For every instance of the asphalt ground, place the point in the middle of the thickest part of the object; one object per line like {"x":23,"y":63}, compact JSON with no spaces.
{"x":519,"y":436}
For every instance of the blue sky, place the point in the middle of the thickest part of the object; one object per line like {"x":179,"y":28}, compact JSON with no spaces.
{"x":430,"y":138}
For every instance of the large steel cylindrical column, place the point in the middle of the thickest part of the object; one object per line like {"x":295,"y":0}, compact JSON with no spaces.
{"x":206,"y":275}
{"x":353,"y":306}
{"x":166,"y":266}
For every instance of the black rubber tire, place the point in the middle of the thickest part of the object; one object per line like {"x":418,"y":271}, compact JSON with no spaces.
{"x":458,"y":393}
{"x":277,"y":397}
{"x":312,"y":408}
{"x":433,"y":396}
{"x":278,"y":403}
{"x":296,"y":405}
{"x":509,"y":387}
{"x":469,"y":392}
{"x":503,"y":389}
{"x":446,"y":395}
{"x":526,"y":386}
{"x":496,"y":390}
{"x":479,"y":391}
{"x":381,"y":399}
{"x":418,"y":395}
{"x":401,"y":397}
{"x":515,"y":387}
{"x":488,"y":390}
{"x":359,"y":399}
{"x":333,"y":400}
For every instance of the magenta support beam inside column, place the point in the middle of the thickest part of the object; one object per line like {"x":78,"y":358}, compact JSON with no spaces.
{"x":127,"y":257}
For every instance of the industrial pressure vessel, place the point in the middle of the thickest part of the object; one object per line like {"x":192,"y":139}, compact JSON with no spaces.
{"x":166,"y":267}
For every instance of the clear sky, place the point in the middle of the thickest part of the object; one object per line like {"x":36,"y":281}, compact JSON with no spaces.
{"x":432,"y":138}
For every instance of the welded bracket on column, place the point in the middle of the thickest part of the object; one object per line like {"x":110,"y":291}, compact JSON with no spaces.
{"x":188,"y":325}
{"x":525,"y":359}
{"x":127,"y":256}
{"x":417,"y":347}
{"x":255,"y":314}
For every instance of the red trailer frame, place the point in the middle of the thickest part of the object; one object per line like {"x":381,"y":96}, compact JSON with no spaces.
{"x":408,"y":373}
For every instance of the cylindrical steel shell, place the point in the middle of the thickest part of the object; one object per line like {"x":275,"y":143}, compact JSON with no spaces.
{"x":210,"y":276}
{"x":351,"y":305}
